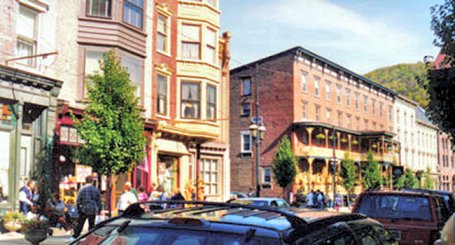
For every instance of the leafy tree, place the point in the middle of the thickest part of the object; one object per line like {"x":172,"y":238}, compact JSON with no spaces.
{"x":112,"y":127}
{"x":443,"y":26}
{"x":284,"y":164}
{"x":409,"y":180}
{"x":428,"y":182}
{"x":371,"y":174}
{"x":348,"y":173}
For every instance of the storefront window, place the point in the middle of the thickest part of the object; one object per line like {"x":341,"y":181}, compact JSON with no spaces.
{"x":6,"y":114}
{"x":209,"y":171}
{"x":5,"y":149}
{"x":168,"y":173}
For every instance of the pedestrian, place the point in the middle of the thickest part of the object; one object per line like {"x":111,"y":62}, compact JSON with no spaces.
{"x":320,"y":199}
{"x":26,"y":197}
{"x":251,"y":192}
{"x":126,"y":199}
{"x":310,"y":199}
{"x":141,"y":196}
{"x":337,"y":202}
{"x":55,"y":211}
{"x":88,"y":204}
{"x":177,"y":197}
{"x":132,"y":189}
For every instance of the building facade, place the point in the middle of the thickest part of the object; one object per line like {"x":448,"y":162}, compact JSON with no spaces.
{"x":405,"y":130}
{"x":427,"y":147}
{"x":325,"y":109}
{"x":446,"y":163}
{"x":28,"y":94}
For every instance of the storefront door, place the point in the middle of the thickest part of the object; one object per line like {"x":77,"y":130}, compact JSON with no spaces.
{"x":5,"y":149}
{"x":168,"y":173}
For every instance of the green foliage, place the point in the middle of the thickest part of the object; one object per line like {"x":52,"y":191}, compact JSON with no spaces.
{"x":443,"y":26}
{"x":428,"y":182}
{"x":112,"y":126}
{"x":348,"y":172}
{"x":405,"y":79}
{"x":371,"y":174}
{"x":408,"y":180}
{"x":284,"y":164}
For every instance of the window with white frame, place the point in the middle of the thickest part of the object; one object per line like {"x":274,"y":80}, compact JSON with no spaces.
{"x":357,"y":123}
{"x":304,"y":82}
{"x":338,"y":94}
{"x":328,"y":115}
{"x":246,"y":109}
{"x":210,"y":51}
{"x":133,"y":12}
{"x":340,"y":119}
{"x":381,"y":109}
{"x":316,"y":86}
{"x":162,"y":94}
{"x":134,"y":67}
{"x":304,"y":109}
{"x":365,"y":103}
{"x":191,"y":100}
{"x":190,"y":42}
{"x":99,"y":8}
{"x":210,"y":173}
{"x":327,"y":89}
{"x":92,"y":67}
{"x":348,"y":121}
{"x":317,"y":109}
{"x":211,"y":102}
{"x":266,"y":175}
{"x":246,"y":86}
{"x":366,"y":124}
{"x":373,"y":106}
{"x":357,"y":101}
{"x":348,"y":97}
{"x":26,"y":29}
{"x":245,"y":142}
{"x":162,"y":33}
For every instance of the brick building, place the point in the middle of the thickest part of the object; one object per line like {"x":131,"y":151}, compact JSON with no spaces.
{"x":446,"y":163}
{"x":307,"y":97}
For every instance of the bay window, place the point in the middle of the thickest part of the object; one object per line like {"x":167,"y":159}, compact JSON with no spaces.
{"x":92,"y":67}
{"x":191,"y":100}
{"x":211,"y":47}
{"x":211,"y":102}
{"x":134,"y":67}
{"x":190,"y":42}
{"x":161,"y":90}
{"x":99,"y":8}
{"x":133,"y":12}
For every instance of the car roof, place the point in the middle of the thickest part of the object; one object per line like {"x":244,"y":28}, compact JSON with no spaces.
{"x":262,"y":199}
{"x":397,"y":192}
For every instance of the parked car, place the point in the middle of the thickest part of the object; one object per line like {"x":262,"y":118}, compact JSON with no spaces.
{"x":414,"y":217}
{"x":447,"y":233}
{"x":263,"y":201}
{"x":238,"y":194}
{"x":231,"y":223}
{"x":449,"y":197}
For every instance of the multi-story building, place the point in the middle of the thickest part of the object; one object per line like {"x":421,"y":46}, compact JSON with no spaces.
{"x":310,"y":99}
{"x":446,"y":163}
{"x":405,"y":129}
{"x":426,"y":147}
{"x":28,"y":92}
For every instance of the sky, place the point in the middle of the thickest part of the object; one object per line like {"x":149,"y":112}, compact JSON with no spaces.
{"x":361,"y":35}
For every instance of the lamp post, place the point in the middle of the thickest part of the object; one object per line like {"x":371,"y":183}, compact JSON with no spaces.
{"x":257,"y":130}
{"x":334,"y":164}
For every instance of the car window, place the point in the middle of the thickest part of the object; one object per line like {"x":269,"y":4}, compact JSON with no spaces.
{"x":395,"y":207}
{"x":273,"y":204}
{"x":282,"y":204}
{"x":442,"y":212}
{"x":328,"y":236}
{"x":370,"y":234}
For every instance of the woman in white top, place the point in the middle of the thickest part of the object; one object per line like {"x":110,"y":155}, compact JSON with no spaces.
{"x":126,"y":199}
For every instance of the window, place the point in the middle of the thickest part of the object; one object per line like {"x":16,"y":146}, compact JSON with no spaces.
{"x":316,"y":87}
{"x":212,"y":2}
{"x":92,"y":67}
{"x":340,"y":119}
{"x":366,"y":124}
{"x":338,"y":94}
{"x":373,"y":106}
{"x":26,"y":35}
{"x":381,"y":109}
{"x":327,"y":90}
{"x":304,"y":109}
{"x":328,"y":114}
{"x":357,"y":101}
{"x":390,"y":114}
{"x":357,"y":123}
{"x":245,"y":143}
{"x":318,"y":112}
{"x":132,"y":12}
{"x":348,"y":121}
{"x":211,"y":47}
{"x":266,"y":175}
{"x":246,"y":109}
{"x":161,"y":90}
{"x":303,"y":82}
{"x":162,"y":33}
{"x":191,"y":100}
{"x":374,"y":125}
{"x":211,"y":102}
{"x":348,"y":97}
{"x":191,"y":44}
{"x":209,"y":171}
{"x":365,"y":103}
{"x":99,"y":8}
{"x":134,"y":67}
{"x":246,"y":86}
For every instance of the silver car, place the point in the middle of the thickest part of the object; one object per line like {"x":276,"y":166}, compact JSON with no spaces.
{"x":263,"y":202}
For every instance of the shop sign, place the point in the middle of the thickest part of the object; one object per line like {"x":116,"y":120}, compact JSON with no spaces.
{"x":82,"y":171}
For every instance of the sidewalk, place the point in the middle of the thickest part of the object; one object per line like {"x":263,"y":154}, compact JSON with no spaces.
{"x":59,"y":237}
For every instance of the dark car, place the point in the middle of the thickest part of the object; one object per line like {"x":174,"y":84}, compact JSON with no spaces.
{"x":415,"y":217}
{"x":232,"y":224}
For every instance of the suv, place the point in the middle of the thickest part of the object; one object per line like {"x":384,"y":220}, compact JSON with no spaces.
{"x":449,"y":198}
{"x":414,"y":217}
{"x":232,"y":224}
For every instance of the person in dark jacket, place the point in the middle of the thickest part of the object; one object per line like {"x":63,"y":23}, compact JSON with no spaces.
{"x":177,"y":197}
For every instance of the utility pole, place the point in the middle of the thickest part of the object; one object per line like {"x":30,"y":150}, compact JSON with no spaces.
{"x":258,"y":185}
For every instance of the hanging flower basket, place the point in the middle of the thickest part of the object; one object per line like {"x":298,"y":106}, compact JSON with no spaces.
{"x":331,"y":137}
{"x":344,"y":140}
{"x":374,"y":146}
{"x":355,"y":142}
{"x":320,"y":136}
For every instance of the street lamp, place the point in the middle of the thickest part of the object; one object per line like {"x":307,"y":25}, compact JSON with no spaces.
{"x":334,"y":163}
{"x":258,"y":132}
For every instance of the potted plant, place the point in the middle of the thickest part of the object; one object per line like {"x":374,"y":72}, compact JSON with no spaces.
{"x":13,"y":221}
{"x":355,"y":142}
{"x":36,"y":231}
{"x":320,"y":136}
{"x":344,"y":140}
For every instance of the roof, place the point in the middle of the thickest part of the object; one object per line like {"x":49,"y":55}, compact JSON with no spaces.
{"x":422,"y":117}
{"x":299,"y":51}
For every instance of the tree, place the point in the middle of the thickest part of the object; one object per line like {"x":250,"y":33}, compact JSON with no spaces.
{"x":112,"y":126}
{"x":371,"y":174}
{"x":408,"y":180}
{"x":348,"y":173}
{"x":284,"y":164}
{"x":428,"y":182}
{"x":443,"y":26}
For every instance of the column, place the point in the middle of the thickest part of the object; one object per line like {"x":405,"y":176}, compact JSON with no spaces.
{"x":326,"y":131}
{"x":310,"y":135}
{"x":310,"y":172}
{"x":15,"y":180}
{"x":349,"y":142}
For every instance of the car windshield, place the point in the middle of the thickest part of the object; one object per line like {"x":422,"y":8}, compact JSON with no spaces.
{"x":252,"y":202}
{"x":395,"y":207}
{"x":147,"y":235}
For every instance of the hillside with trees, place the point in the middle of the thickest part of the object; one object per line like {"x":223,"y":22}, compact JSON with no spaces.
{"x":403,"y":78}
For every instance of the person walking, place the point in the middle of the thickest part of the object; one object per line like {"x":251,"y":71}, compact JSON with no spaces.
{"x":310,"y":199}
{"x":320,"y":199}
{"x":26,"y":197}
{"x":126,"y":199}
{"x":88,"y":204}
{"x":337,"y":202}
{"x":142,"y":196}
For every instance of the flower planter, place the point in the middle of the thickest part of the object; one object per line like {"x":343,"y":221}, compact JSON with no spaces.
{"x":12,"y":226}
{"x":36,"y":236}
